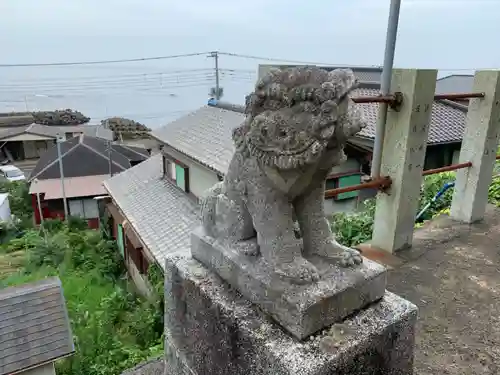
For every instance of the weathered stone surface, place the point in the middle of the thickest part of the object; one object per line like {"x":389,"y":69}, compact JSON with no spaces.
{"x":300,"y":309}
{"x":297,"y":123}
{"x":211,"y":330}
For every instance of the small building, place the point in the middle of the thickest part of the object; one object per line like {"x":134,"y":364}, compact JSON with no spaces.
{"x":21,"y":141}
{"x":87,"y":162}
{"x":35,"y":330}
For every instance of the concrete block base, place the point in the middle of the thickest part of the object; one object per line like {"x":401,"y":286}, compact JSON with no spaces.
{"x":210,"y":329}
{"x":302,"y":310}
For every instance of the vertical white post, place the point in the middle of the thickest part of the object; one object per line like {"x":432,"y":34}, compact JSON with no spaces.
{"x":59,"y":140}
{"x":403,"y":156}
{"x":479,"y":146}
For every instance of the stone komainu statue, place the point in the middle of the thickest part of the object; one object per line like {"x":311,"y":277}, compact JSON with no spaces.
{"x":298,"y":121}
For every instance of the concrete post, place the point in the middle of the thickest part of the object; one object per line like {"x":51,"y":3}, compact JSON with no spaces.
{"x":479,"y":146}
{"x":403,"y":157}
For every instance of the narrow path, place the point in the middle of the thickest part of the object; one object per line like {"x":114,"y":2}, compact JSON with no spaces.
{"x":453,"y":275}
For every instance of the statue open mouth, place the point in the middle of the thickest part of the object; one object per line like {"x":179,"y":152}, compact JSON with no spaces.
{"x":280,"y":158}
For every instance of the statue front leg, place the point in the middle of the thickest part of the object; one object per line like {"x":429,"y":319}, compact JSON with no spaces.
{"x":272,"y":217}
{"x":317,"y":236}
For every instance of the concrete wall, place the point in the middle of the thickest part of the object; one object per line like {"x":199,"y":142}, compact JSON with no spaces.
{"x":200,"y":177}
{"x":47,"y":369}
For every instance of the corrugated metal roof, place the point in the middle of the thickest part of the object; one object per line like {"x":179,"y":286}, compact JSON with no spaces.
{"x":160,"y":213}
{"x":74,"y":187}
{"x":34,"y":326}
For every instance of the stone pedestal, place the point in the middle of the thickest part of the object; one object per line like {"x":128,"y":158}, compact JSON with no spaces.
{"x":210,"y":329}
{"x":302,"y":310}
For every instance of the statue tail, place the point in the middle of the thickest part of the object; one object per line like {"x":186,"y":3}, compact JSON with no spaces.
{"x":209,"y":207}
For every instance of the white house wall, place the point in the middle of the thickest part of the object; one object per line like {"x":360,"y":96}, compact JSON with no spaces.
{"x":4,"y":208}
{"x":201,"y":178}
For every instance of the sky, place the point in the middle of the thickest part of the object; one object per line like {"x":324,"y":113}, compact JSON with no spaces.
{"x":455,"y":36}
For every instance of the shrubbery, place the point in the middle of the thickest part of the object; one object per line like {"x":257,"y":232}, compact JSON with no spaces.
{"x":354,"y":228}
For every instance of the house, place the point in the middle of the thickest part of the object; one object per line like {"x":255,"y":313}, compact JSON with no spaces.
{"x":22,"y":139}
{"x":86,"y":163}
{"x":34,"y":328}
{"x":149,"y":216}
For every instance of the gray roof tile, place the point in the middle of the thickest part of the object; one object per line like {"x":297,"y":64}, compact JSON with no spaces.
{"x":204,"y":135}
{"x":162,"y":215}
{"x":34,"y":326}
{"x":447,"y":122}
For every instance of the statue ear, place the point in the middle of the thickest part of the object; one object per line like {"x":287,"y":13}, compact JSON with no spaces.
{"x":344,"y":80}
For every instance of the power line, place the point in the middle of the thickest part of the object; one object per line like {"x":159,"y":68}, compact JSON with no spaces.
{"x":158,"y":79}
{"x":238,"y":55}
{"x":95,"y":62}
{"x":113,"y":76}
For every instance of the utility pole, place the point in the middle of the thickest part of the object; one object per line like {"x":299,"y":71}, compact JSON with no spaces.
{"x":110,"y":160}
{"x":385,"y":85}
{"x":61,"y":172}
{"x":217,"y":91}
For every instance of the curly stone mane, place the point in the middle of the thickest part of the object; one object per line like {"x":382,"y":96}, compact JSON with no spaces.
{"x":293,"y":115}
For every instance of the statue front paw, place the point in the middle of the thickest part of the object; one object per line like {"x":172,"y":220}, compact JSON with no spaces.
{"x":345,"y":256}
{"x":298,"y":271}
{"x":350,"y":258}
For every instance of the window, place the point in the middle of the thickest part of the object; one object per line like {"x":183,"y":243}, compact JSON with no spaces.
{"x":138,"y":258}
{"x":85,"y":208}
{"x":344,"y":181}
{"x":177,"y":172}
{"x":119,"y":240}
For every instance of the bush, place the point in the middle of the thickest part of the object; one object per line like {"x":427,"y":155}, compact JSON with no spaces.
{"x":352,"y":229}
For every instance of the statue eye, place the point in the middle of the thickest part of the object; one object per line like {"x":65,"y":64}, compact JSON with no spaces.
{"x":282,"y":133}
{"x":264,"y":130}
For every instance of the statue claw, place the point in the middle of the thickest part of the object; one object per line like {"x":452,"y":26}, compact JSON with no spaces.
{"x":345,"y":256}
{"x":350,"y":258}
{"x":299,"y":271}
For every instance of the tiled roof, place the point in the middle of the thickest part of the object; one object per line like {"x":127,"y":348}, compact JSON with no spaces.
{"x":160,"y":213}
{"x":85,"y":186}
{"x":86,"y":156}
{"x":447,"y":122}
{"x":34,"y":326}
{"x":204,"y":135}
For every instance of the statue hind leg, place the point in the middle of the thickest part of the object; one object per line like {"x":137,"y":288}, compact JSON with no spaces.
{"x":317,"y":236}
